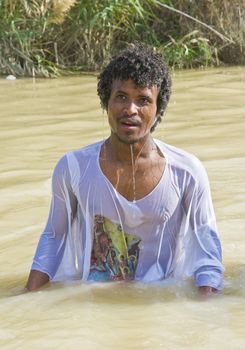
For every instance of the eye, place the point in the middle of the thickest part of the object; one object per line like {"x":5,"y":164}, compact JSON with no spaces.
{"x":121,"y":97}
{"x":143,"y":101}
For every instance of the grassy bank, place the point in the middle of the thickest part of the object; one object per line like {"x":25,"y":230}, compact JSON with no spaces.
{"x":49,"y":37}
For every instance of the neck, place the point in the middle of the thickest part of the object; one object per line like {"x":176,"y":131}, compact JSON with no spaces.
{"x":122,"y":151}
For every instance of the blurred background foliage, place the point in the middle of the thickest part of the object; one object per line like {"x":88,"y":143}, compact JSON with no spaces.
{"x":52,"y":37}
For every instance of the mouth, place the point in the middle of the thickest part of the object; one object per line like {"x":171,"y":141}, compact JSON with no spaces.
{"x":129,"y":123}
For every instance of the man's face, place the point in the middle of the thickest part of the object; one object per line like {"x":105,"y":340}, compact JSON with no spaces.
{"x":131,"y":110}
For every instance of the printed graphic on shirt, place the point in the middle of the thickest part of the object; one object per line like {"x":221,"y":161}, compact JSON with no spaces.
{"x":114,"y":254}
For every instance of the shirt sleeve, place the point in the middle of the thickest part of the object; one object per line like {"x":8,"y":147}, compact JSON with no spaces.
{"x":204,"y":255}
{"x":52,"y":241}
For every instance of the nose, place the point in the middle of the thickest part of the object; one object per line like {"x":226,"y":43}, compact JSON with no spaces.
{"x":131,"y":108}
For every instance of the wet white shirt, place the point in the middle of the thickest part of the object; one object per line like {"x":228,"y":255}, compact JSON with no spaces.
{"x":94,"y":233}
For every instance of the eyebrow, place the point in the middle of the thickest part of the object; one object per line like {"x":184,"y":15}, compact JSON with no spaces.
{"x":146,"y":95}
{"x":121,"y":92}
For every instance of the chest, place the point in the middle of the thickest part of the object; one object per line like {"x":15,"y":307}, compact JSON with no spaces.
{"x":136,"y":180}
{"x":97,"y":195}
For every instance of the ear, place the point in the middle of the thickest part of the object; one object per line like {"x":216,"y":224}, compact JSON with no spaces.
{"x":155,"y":121}
{"x":158,"y":115}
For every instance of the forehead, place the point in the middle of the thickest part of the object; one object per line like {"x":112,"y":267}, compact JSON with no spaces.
{"x":128,"y":86}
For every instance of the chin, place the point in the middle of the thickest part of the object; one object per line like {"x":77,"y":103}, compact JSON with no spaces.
{"x":129,"y":141}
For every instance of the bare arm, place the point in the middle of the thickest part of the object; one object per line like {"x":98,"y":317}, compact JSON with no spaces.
{"x":36,"y":280}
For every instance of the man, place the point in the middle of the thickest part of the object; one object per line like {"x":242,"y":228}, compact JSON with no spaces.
{"x":130,"y":207}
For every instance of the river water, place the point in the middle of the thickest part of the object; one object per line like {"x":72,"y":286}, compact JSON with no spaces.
{"x":41,"y":120}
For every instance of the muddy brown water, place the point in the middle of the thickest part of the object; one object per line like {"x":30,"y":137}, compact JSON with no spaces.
{"x":41,"y":120}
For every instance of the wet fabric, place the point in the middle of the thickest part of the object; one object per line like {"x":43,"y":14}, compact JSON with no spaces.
{"x":94,"y":233}
{"x":114,"y":254}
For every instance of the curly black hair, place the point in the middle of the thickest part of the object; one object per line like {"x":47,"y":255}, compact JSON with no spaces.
{"x":142,"y":65}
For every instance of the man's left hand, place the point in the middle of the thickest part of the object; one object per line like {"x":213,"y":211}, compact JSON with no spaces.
{"x":206,"y":290}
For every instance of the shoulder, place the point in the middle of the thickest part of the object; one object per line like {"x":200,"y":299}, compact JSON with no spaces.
{"x":73,"y":164}
{"x":87,"y":151}
{"x":182,"y":161}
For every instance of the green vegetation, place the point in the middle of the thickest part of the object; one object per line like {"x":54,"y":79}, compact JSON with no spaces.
{"x":49,"y":37}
